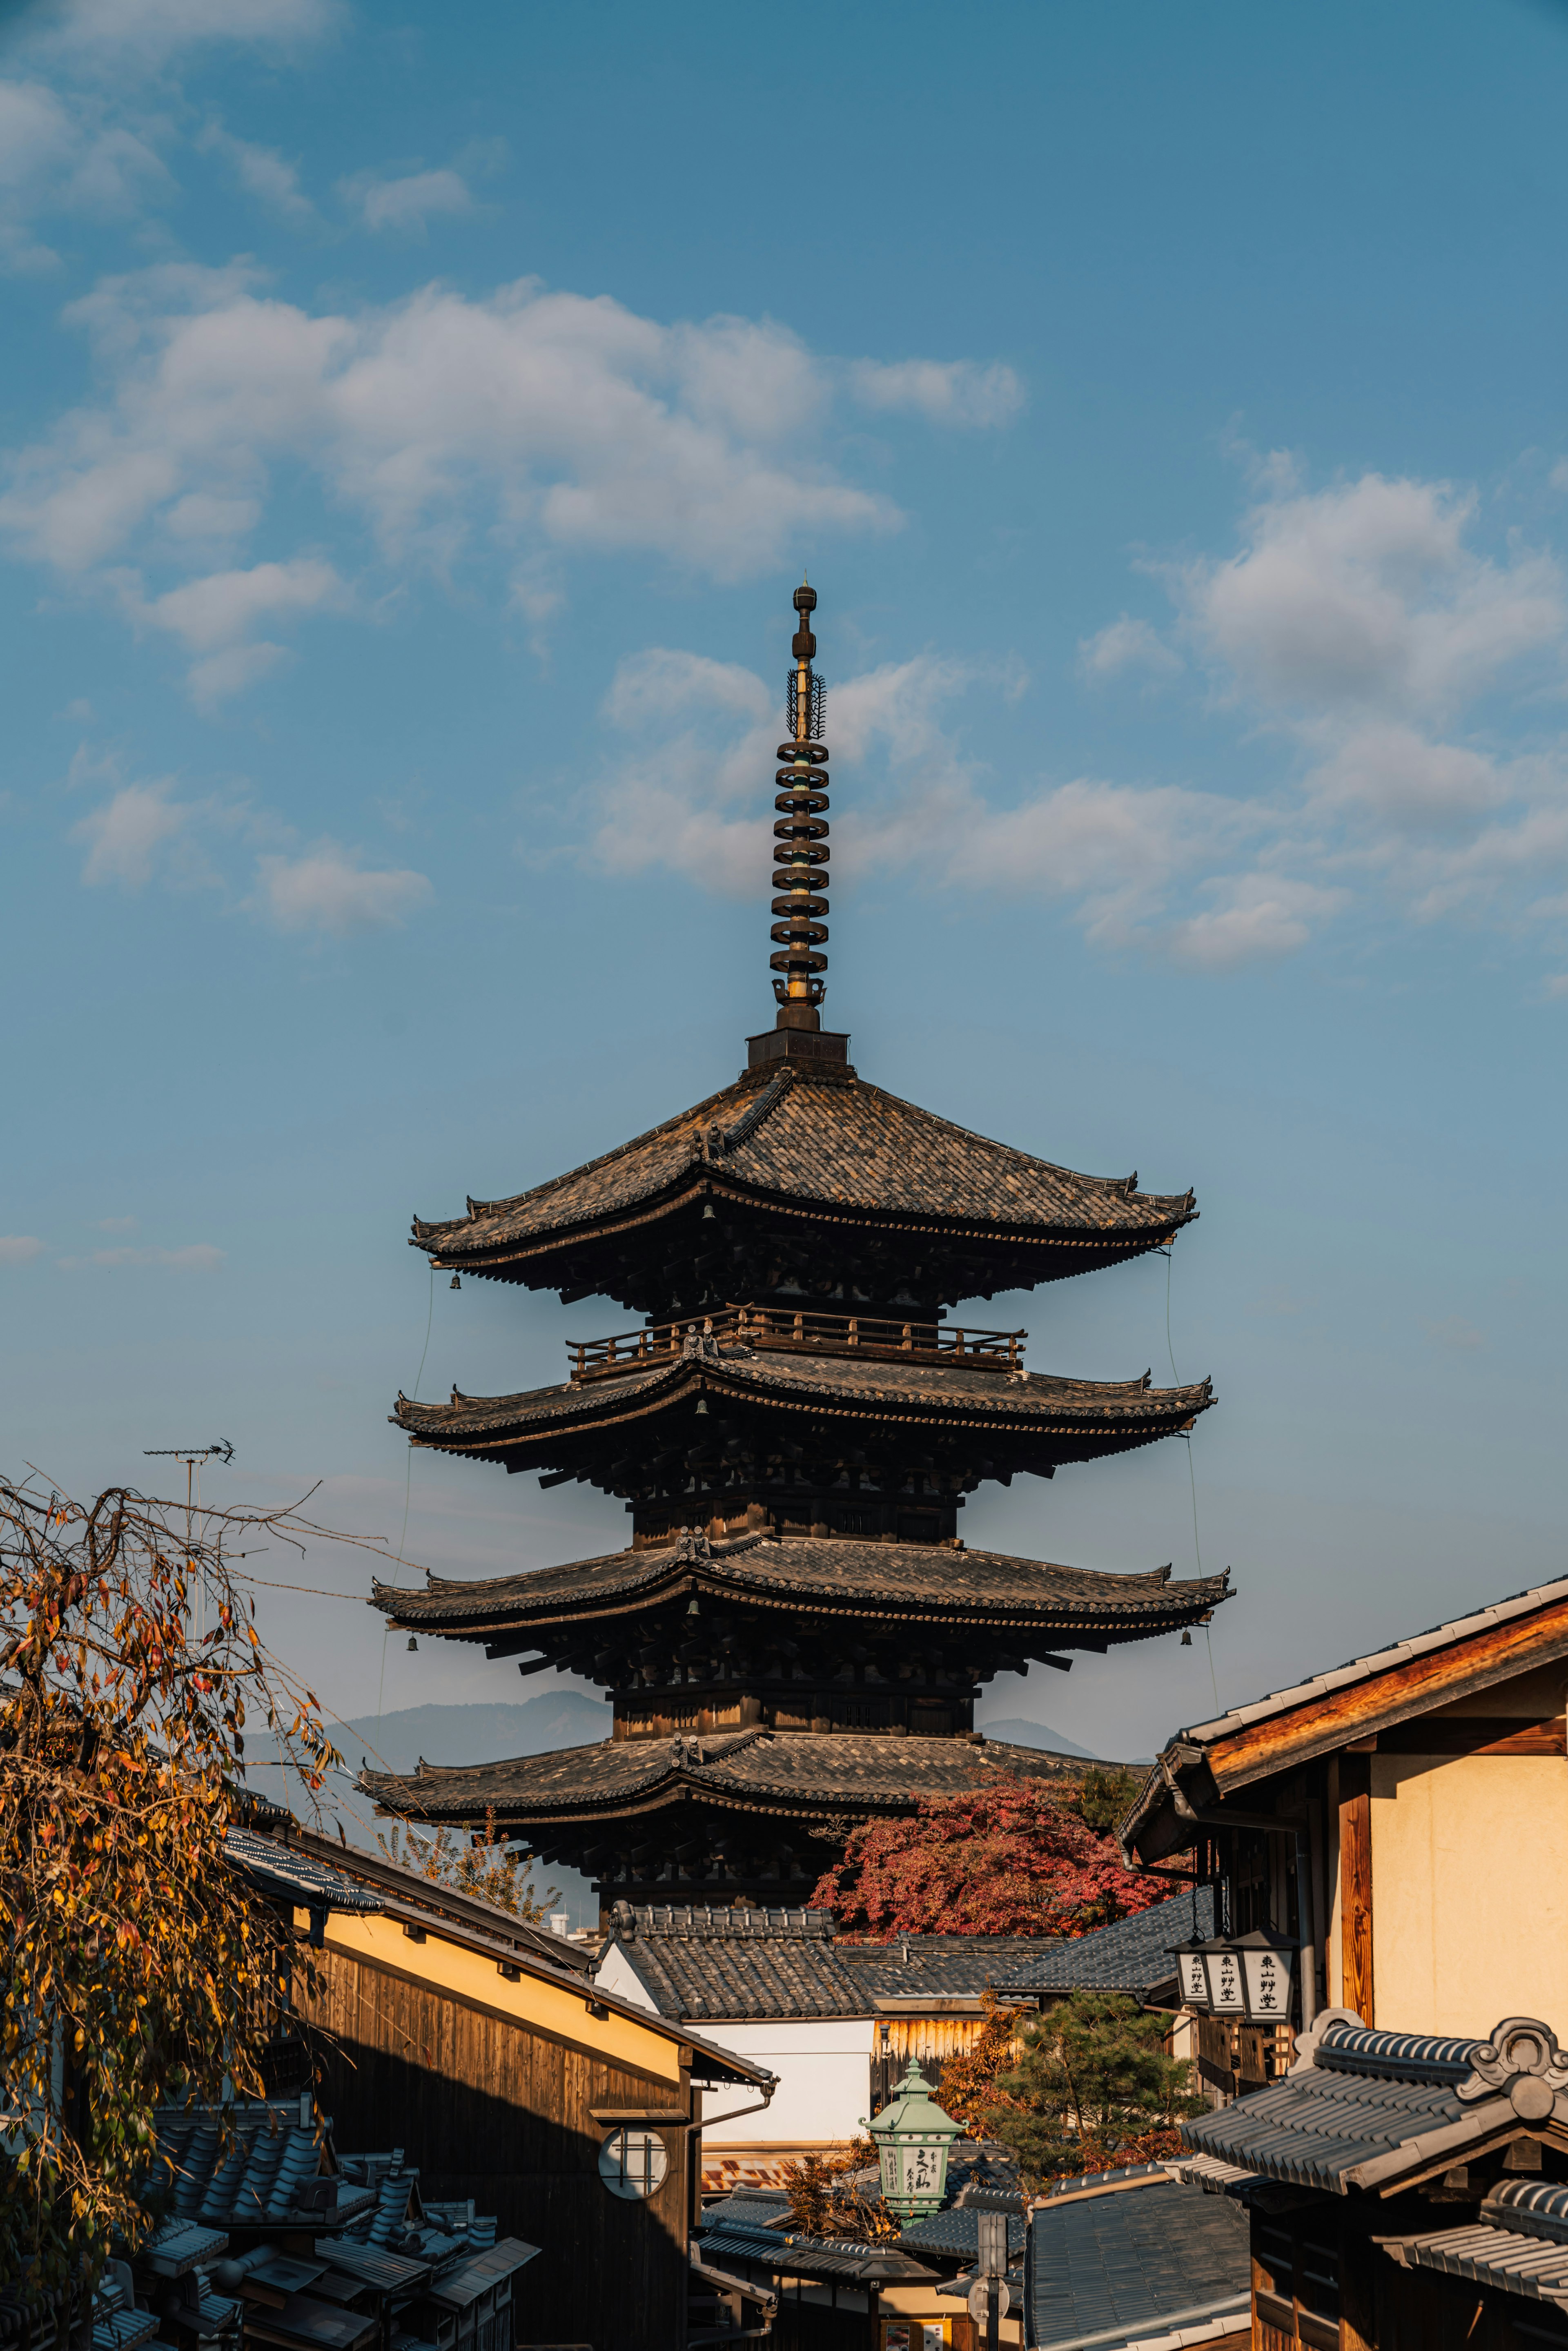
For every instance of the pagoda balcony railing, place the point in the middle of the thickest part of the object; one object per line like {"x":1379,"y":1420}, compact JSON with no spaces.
{"x":803,"y":1333}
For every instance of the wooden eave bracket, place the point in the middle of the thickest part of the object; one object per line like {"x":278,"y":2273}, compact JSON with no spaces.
{"x":670,"y":2115}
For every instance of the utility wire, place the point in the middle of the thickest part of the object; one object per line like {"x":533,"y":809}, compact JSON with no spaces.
{"x":407,"y":1487}
{"x":1192,"y":1474}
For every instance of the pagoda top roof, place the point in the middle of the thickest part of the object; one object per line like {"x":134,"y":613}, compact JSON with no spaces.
{"x":1059,"y":1414}
{"x":750,"y":1770}
{"x":819,"y":1137}
{"x":923,"y":1583}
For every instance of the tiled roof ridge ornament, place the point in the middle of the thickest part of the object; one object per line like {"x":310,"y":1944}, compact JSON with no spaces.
{"x":692,"y":1543}
{"x":1520,"y":2060}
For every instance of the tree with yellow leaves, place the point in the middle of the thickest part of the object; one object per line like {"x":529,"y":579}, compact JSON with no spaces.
{"x":142,"y":1970}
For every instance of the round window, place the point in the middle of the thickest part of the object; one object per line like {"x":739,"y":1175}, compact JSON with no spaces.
{"x":633,"y":2163}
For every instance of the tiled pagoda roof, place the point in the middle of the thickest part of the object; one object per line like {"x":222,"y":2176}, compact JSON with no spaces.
{"x":791,"y":1775}
{"x":917,"y":1582}
{"x":1061,"y":1419}
{"x":827,"y":1141}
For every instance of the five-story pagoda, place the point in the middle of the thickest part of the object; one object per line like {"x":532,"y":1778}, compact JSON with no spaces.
{"x":793,"y":1638}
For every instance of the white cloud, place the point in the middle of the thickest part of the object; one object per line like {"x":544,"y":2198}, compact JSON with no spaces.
{"x":407,"y":204}
{"x":197,"y":1257}
{"x":329,"y":889}
{"x":1256,"y":918}
{"x":220,"y":609}
{"x":124,"y":835}
{"x":522,"y":423}
{"x":213,"y":616}
{"x":35,"y":131}
{"x":686,"y":796}
{"x":262,"y":172}
{"x":109,"y":35}
{"x":944,"y":391}
{"x":19,"y":1249}
{"x":1126,"y":644}
{"x":1365,"y":598}
{"x":1394,"y":776}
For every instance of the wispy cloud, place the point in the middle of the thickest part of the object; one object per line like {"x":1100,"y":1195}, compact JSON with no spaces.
{"x":262,"y":171}
{"x":124,"y":835}
{"x":19,"y":1249}
{"x":408,"y":203}
{"x":944,"y":391}
{"x":1353,"y":633}
{"x":197,"y":1257}
{"x":329,"y":889}
{"x":523,"y":426}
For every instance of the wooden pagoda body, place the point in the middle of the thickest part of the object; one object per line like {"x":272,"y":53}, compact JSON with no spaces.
{"x":794,"y":1635}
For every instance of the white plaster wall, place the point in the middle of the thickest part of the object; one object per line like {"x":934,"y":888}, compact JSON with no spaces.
{"x":823,"y":2066}
{"x":1469,"y":1891}
{"x":618,"y":1977}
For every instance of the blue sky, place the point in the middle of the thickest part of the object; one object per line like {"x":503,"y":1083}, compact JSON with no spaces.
{"x":414,"y":421}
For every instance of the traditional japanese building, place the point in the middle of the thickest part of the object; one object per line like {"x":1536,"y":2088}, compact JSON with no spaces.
{"x":795,"y":1632}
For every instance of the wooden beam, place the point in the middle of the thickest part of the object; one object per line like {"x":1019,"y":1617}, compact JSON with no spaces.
{"x":1355,"y":1885}
{"x":1324,"y":1721}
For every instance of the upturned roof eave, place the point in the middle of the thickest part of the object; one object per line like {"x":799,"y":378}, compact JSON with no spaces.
{"x":669,"y":1782}
{"x":1054,"y":1623}
{"x":659,"y":1188}
{"x":1110,"y":1401}
{"x":455,"y":1244}
{"x":1311,"y":1719}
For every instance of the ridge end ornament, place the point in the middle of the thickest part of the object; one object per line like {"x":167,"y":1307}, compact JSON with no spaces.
{"x":1520,"y":2061}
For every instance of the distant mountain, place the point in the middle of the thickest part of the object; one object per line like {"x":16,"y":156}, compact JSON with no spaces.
{"x":1021,"y":1732}
{"x":474,"y":1734}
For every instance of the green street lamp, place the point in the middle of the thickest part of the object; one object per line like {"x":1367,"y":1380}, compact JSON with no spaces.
{"x":913,"y":2136}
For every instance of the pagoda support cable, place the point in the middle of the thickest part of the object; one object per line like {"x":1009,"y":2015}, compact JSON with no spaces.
{"x":801,"y":837}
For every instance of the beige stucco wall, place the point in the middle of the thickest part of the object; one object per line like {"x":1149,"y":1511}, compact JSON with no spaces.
{"x":1469,"y":1878}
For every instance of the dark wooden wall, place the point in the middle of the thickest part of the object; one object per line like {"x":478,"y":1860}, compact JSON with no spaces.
{"x":489,"y":2109}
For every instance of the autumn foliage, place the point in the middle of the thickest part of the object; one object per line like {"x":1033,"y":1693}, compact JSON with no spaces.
{"x":1012,"y":1857}
{"x":141,"y":1968}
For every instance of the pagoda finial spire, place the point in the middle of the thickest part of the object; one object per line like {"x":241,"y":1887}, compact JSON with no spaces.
{"x":801,"y":837}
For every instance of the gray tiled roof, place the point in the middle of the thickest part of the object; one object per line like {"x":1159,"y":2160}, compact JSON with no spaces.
{"x":835,"y":1140}
{"x":1112,"y":2268}
{"x":1353,"y":2099}
{"x":1517,"y":2242}
{"x":940,"y":1965}
{"x":927,"y":1581}
{"x":297,"y":1876}
{"x":703,"y":1977}
{"x":271,"y":2166}
{"x":1131,"y":1955}
{"x":955,"y":2233}
{"x":792,"y":1770}
{"x":1072,"y":1418}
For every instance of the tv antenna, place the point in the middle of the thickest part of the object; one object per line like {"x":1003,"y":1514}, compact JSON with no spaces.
{"x":193,"y":1455}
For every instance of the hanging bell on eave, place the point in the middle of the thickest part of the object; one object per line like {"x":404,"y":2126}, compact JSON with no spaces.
{"x":1186,"y":1640}
{"x":454,"y":1283}
{"x":413,"y":1645}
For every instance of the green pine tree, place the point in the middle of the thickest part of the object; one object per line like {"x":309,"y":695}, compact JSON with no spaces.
{"x":1092,"y":2083}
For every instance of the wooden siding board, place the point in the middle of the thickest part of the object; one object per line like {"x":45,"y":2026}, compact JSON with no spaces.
{"x":489,"y":2109}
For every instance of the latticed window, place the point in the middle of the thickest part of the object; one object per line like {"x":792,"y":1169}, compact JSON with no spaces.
{"x":633,"y":2163}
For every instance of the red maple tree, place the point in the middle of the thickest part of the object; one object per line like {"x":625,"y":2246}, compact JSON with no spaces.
{"x":1008,"y":1858}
